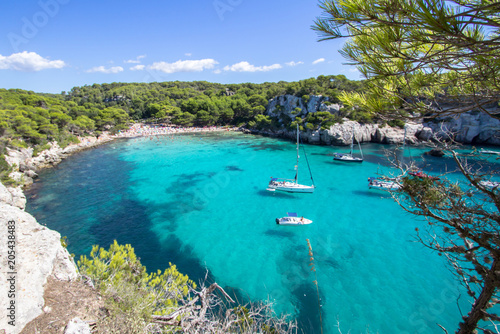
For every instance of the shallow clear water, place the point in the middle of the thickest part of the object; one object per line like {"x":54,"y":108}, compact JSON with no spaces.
{"x":199,"y":201}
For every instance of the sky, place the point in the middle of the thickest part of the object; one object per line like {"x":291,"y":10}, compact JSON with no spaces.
{"x":50,"y":46}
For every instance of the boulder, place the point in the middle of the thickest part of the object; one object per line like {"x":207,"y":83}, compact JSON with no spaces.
{"x":435,"y":153}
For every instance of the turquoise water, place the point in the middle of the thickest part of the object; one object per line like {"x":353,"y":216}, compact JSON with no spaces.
{"x":199,"y":201}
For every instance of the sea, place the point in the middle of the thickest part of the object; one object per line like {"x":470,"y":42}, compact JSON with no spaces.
{"x":199,"y":201}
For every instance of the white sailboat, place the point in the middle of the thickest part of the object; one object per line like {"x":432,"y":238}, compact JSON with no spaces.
{"x":349,"y":157}
{"x":291,"y":185}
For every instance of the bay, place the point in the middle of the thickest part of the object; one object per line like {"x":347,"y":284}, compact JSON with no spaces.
{"x":199,"y":201}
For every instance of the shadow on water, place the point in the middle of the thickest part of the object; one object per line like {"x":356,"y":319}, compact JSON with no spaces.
{"x":267,"y":147}
{"x":234,"y":169}
{"x":129,"y":224}
{"x":279,"y":233}
{"x":308,"y":319}
{"x":187,"y":181}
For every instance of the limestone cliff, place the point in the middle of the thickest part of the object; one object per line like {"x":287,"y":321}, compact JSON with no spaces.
{"x":35,"y":255}
{"x":468,"y":128}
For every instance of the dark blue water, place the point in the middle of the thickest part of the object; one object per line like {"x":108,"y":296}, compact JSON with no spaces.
{"x":199,"y":201}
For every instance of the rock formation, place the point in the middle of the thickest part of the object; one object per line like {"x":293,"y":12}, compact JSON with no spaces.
{"x":36,"y":254}
{"x":468,"y":128}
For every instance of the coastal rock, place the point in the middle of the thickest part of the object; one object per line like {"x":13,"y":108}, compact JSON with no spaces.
{"x":12,"y":196}
{"x":341,"y":134}
{"x":292,"y":106}
{"x":425,"y":134}
{"x":18,"y":198}
{"x":389,"y":135}
{"x":468,"y":128}
{"x":18,"y":156}
{"x":435,"y":153}
{"x":38,"y":255}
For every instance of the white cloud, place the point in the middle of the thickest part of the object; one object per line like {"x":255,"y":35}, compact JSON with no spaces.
{"x":188,"y":54}
{"x":137,"y":60}
{"x":102,"y":69}
{"x":137,"y":67}
{"x":245,"y":66}
{"x":184,"y":66}
{"x":217,"y":71}
{"x":317,"y":61}
{"x":28,"y":62}
{"x":293,"y":63}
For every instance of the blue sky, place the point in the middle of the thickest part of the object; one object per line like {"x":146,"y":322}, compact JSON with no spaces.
{"x":53,"y":45}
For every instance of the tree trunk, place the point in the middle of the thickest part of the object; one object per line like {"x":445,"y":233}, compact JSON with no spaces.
{"x":479,"y":307}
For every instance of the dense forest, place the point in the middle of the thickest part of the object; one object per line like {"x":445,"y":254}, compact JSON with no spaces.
{"x":35,"y":119}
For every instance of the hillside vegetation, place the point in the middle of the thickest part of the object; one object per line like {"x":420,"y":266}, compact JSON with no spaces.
{"x":29,"y":119}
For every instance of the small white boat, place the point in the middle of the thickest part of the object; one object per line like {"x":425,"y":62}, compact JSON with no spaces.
{"x":292,"y":219}
{"x":380,"y":184}
{"x":489,"y":151}
{"x":492,"y":185}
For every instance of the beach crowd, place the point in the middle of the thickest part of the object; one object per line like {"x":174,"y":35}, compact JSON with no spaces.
{"x":141,"y":130}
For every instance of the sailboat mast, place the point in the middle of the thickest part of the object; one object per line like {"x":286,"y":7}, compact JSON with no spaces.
{"x":297,"y":166}
{"x":352,"y":141}
{"x":404,"y":144}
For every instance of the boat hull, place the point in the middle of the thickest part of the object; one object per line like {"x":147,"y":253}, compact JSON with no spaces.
{"x":290,"y":187}
{"x":377,"y":184}
{"x":293,"y":221}
{"x":347,"y":159}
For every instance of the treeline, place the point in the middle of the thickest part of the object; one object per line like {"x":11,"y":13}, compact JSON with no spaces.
{"x":34,"y":119}
{"x":203,"y":103}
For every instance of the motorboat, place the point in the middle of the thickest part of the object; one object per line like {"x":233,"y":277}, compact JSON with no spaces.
{"x":293,"y":219}
{"x":382,"y":184}
{"x":491,"y":185}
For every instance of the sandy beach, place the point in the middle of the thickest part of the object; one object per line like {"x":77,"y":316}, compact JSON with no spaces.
{"x":141,"y":130}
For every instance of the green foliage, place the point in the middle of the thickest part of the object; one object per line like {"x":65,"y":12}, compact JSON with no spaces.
{"x":40,"y":148}
{"x":5,"y":170}
{"x":321,"y":119}
{"x":425,"y":190}
{"x":176,"y":101}
{"x":133,"y":294}
{"x":36,"y":119}
{"x":260,"y":122}
{"x":413,"y":53}
{"x":397,"y":123}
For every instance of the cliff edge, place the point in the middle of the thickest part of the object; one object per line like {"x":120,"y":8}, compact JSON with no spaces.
{"x":30,"y":255}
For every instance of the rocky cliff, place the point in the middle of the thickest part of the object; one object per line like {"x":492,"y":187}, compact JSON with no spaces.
{"x":29,"y":255}
{"x":468,"y":128}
